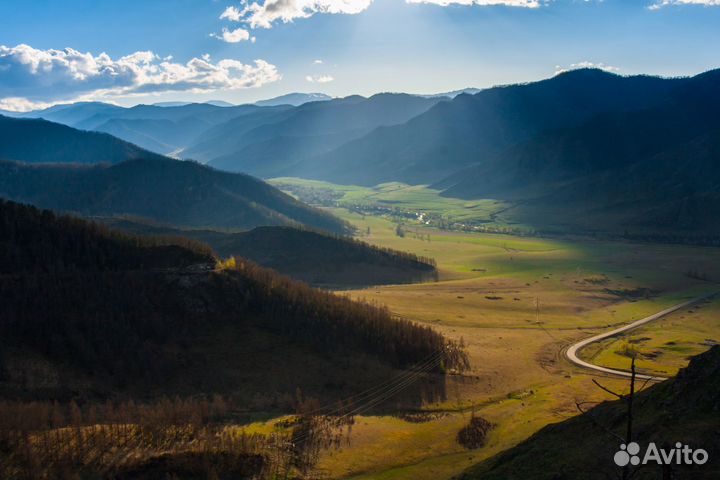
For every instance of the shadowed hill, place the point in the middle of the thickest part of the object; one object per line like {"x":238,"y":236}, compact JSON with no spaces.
{"x":169,"y":191}
{"x":470,"y":128}
{"x":649,"y":169}
{"x":309,"y":129}
{"x":683,"y":409}
{"x":313,"y":257}
{"x":40,"y":141}
{"x":585,"y":151}
{"x":38,"y":241}
{"x":89,"y":329}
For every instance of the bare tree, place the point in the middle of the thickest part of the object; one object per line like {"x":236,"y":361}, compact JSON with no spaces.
{"x":629,"y":399}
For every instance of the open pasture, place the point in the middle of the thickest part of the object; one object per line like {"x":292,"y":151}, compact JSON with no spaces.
{"x":517,"y":302}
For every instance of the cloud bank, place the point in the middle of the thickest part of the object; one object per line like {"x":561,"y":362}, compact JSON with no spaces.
{"x":50,"y":75}
{"x":665,"y":3}
{"x":485,"y":3}
{"x":265,"y":13}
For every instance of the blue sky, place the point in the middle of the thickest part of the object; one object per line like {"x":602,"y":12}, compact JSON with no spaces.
{"x":53,"y":51}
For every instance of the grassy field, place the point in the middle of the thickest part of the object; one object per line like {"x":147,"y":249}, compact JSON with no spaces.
{"x":665,"y":346}
{"x":414,"y":204}
{"x":517,"y":302}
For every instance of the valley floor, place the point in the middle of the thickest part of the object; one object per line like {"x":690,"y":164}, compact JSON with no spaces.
{"x":517,"y":302}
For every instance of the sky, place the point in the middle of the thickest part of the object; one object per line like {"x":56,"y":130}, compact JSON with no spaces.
{"x":147,"y":51}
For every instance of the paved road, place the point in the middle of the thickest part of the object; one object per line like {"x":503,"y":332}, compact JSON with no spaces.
{"x":571,"y":353}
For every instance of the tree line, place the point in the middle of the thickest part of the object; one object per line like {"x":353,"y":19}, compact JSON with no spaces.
{"x":44,"y":440}
{"x":332,"y":322}
{"x":40,"y":241}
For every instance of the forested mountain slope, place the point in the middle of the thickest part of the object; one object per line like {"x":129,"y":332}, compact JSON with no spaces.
{"x":40,"y":141}
{"x":472,"y":128}
{"x":87,"y":328}
{"x":313,"y":257}
{"x":169,"y":191}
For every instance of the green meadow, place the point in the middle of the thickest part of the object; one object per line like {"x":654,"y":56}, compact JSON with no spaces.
{"x":408,"y":199}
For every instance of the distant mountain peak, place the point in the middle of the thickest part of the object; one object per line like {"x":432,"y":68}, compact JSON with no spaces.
{"x":295,"y":99}
{"x":217,"y":103}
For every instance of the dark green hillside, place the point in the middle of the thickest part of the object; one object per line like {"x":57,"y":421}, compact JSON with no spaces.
{"x":316,"y":258}
{"x":169,"y":191}
{"x":683,"y":409}
{"x":38,"y":241}
{"x":643,"y":171}
{"x":472,"y":128}
{"x":326,"y":260}
{"x":40,"y":141}
{"x":92,"y":330}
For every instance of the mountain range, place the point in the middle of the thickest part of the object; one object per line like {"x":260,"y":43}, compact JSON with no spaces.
{"x":294,"y":99}
{"x":585,"y":150}
{"x":266,"y":145}
{"x":210,"y":132}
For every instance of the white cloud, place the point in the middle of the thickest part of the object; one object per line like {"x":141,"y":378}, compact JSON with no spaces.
{"x":318,"y":62}
{"x":319,"y":78}
{"x":485,"y":3}
{"x":232,"y":36}
{"x":264,"y":13}
{"x":51,"y":75}
{"x":665,"y":3}
{"x":232,"y":14}
{"x":575,"y":66}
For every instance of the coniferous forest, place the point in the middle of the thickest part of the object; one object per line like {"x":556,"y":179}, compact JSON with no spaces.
{"x":105,"y":335}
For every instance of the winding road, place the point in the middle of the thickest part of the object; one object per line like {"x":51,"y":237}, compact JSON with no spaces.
{"x":572,"y":351}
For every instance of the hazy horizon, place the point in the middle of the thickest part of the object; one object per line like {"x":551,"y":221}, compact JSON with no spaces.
{"x":129,"y":103}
